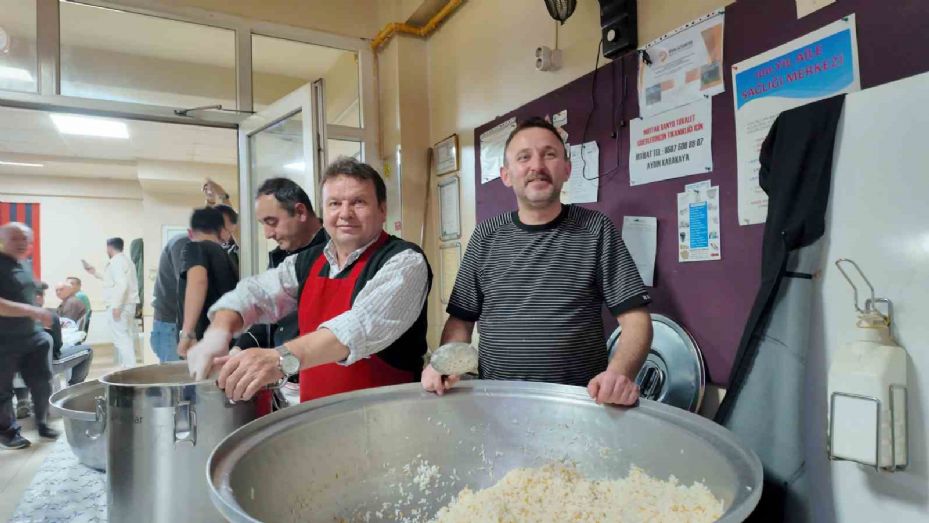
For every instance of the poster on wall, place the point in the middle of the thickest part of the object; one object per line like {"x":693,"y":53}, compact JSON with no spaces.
{"x":493,"y":143}
{"x":682,"y":66}
{"x":698,"y":230}
{"x":818,"y":65}
{"x":583,"y":185}
{"x":671,"y":145}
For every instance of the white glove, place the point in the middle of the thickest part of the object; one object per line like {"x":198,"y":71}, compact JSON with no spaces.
{"x":215,"y":343}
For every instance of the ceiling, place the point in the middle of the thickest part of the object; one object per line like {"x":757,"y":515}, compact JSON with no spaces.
{"x":30,"y":137}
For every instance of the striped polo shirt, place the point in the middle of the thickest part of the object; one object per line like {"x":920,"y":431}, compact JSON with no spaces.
{"x":536,"y":292}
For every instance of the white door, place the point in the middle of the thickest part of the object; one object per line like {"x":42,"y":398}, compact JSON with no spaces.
{"x":282,"y":140}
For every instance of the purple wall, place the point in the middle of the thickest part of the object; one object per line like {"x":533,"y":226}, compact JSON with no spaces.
{"x":712,"y":299}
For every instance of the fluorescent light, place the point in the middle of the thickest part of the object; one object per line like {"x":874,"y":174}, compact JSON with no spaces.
{"x":15,"y":73}
{"x":21,"y":164}
{"x":89,"y":126}
{"x":296,"y":166}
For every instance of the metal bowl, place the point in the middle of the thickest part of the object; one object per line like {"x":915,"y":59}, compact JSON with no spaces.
{"x":84,"y":420}
{"x":343,"y":457}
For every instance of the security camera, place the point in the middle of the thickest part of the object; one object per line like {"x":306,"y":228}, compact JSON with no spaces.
{"x":547,"y":59}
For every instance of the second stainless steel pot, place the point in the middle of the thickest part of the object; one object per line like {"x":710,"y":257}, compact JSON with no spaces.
{"x":162,"y":427}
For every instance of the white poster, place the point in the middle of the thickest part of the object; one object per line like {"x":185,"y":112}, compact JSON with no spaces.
{"x":683,"y":66}
{"x":698,"y":229}
{"x":673,"y":144}
{"x":493,"y":143}
{"x":584,"y":183}
{"x":821,"y":64}
{"x":640,"y":234}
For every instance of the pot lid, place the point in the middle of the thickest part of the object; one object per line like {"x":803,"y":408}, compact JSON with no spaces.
{"x":673,"y":372}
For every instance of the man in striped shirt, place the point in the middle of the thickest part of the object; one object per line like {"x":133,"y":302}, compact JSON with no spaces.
{"x":534,"y":281}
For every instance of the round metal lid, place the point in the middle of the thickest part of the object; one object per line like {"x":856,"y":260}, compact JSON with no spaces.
{"x":673,"y":373}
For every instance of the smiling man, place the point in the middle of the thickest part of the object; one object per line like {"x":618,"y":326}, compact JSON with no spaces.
{"x":360,"y":300}
{"x":535,"y":280}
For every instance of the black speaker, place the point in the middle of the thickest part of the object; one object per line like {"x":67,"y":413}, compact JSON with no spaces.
{"x":618,"y":22}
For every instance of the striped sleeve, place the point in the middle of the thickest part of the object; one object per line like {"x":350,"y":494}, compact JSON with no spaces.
{"x":618,"y":276}
{"x":467,"y":299}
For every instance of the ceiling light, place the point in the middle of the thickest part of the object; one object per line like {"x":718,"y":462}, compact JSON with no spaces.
{"x":21,"y":164}
{"x":15,"y":73}
{"x":296,"y":166}
{"x":89,"y":126}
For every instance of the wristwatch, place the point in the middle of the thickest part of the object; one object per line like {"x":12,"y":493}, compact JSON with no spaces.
{"x":288,"y":364}
{"x":192,"y":336}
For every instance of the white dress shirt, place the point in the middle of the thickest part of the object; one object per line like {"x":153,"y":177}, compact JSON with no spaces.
{"x":383,"y":310}
{"x":120,"y":286}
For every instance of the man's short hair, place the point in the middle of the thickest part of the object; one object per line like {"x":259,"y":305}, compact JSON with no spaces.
{"x":287,"y":193}
{"x":116,"y":243}
{"x":228,"y":212}
{"x":538,"y":123}
{"x":41,"y":286}
{"x":348,"y":166}
{"x":208,"y":220}
{"x":74,"y":280}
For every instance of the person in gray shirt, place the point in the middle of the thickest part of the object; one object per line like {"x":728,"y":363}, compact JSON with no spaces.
{"x":164,"y":328}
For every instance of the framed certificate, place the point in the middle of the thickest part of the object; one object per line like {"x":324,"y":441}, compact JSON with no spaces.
{"x":449,"y":212}
{"x":449,"y":260}
{"x":446,"y":155}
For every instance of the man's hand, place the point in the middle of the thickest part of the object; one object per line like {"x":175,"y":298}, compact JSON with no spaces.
{"x":43,"y":316}
{"x":89,"y":268}
{"x":432,"y":381}
{"x":200,"y":357}
{"x":183,"y":346}
{"x":613,"y":387}
{"x":245,"y":373}
{"x":116,"y":313}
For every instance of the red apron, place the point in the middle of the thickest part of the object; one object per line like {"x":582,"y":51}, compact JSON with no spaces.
{"x":324,"y":298}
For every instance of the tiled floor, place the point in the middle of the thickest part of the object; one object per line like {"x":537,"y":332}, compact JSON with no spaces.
{"x":17,"y":467}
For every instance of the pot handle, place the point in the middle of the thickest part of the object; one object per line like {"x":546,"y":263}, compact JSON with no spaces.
{"x":99,"y":419}
{"x":185,"y":423}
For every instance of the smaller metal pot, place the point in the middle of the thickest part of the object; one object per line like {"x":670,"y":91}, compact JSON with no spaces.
{"x":83,"y":409}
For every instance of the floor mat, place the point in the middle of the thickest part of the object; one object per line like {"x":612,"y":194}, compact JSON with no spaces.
{"x":63,"y":490}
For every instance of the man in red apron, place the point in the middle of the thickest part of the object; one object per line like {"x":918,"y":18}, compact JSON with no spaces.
{"x":360,"y":301}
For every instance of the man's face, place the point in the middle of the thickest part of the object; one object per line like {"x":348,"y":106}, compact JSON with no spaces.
{"x":110,"y":251}
{"x":17,"y":244}
{"x":352,"y":215}
{"x":40,"y":299}
{"x":74,"y":284}
{"x":536,"y":167}
{"x":278,"y":224}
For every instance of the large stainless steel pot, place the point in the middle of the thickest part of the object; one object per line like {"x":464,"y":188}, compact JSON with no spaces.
{"x":344,"y":456}
{"x":162,"y":427}
{"x":82,"y":407}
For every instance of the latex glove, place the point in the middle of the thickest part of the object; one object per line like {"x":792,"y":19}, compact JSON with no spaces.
{"x":432,"y":381}
{"x":215,"y":343}
{"x":613,"y":387}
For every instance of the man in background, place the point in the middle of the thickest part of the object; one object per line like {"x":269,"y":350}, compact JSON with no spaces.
{"x":66,"y":354}
{"x":70,"y":306}
{"x":24,"y":347}
{"x":207,"y":272}
{"x":81,"y":295}
{"x":231,"y":224}
{"x":164,"y":327}
{"x":121,"y":294}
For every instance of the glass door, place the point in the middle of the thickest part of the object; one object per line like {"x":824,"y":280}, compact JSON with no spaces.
{"x":282,"y":140}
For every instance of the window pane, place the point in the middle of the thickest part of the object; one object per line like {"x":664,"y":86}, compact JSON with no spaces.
{"x":338,"y":148}
{"x":18,"y":70}
{"x":114,"y":55}
{"x":280,"y":66}
{"x":277,"y":151}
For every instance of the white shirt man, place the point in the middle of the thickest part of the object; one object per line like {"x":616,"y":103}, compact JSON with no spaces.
{"x":121,"y":295}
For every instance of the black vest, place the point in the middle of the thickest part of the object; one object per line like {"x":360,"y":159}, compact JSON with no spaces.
{"x":407,"y":352}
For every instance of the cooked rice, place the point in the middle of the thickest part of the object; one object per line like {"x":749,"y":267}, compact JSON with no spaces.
{"x":559,"y":493}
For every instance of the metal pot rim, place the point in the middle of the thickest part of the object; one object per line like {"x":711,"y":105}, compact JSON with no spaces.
{"x":57,"y":400}
{"x":235,"y":445}
{"x":107,"y":379}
